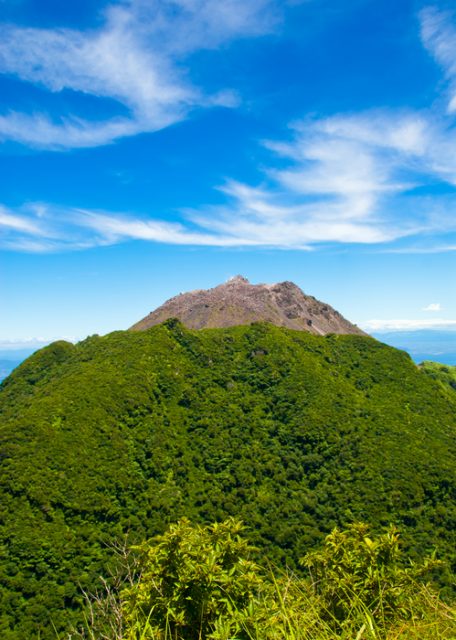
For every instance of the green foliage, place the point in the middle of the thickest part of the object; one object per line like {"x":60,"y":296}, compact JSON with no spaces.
{"x":356,"y":572}
{"x":196,"y":582}
{"x":445,"y":374}
{"x":293,"y":433}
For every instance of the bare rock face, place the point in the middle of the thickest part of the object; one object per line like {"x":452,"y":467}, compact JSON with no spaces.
{"x":238,"y":302}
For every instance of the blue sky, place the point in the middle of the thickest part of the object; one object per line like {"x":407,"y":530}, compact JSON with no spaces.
{"x":148,"y":148}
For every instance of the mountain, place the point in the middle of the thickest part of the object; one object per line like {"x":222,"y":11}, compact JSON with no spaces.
{"x":238,"y":302}
{"x":292,"y":432}
{"x":11,"y":358}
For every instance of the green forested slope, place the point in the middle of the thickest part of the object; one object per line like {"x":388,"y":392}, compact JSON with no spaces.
{"x":445,"y":374}
{"x":294,"y":433}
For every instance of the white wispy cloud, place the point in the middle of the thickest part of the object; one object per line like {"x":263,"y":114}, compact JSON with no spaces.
{"x":438,"y":33}
{"x":31,"y":343}
{"x":135,"y":59}
{"x":364,"y":178}
{"x":115,"y":229}
{"x":57,"y":229}
{"x":404,"y":325}
{"x":17,"y":223}
{"x":346,"y":179}
{"x":434,"y":306}
{"x":416,"y":249}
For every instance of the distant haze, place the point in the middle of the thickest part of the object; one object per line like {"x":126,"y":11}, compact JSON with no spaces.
{"x":11,"y":358}
{"x":424,"y":344}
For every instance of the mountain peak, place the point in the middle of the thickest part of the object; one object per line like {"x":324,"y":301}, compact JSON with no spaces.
{"x":238,"y":302}
{"x":237,"y":280}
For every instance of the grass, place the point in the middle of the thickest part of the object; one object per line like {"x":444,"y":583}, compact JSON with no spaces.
{"x":197,"y":583}
{"x":308,"y":621}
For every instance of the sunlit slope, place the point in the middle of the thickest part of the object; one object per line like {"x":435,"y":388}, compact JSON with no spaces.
{"x":293,"y":432}
{"x":445,"y":374}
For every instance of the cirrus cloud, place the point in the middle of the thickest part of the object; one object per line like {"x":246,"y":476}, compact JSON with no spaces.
{"x":381,"y":177}
{"x":137,"y":59}
{"x":404,"y":324}
{"x":434,"y":307}
{"x":438,"y":34}
{"x":336,"y":180}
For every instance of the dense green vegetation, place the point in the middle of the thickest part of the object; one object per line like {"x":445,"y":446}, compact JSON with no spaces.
{"x":294,"y":433}
{"x":444,"y":373}
{"x":200,"y":583}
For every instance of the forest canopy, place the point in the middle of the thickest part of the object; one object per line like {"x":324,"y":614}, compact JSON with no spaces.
{"x":293,"y":433}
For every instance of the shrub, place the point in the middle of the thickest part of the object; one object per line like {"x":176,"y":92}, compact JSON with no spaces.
{"x":355,"y":573}
{"x":196,"y":582}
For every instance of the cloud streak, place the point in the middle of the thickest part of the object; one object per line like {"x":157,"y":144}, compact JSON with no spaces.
{"x":31,"y":343}
{"x":404,"y":325}
{"x":136,"y":59}
{"x":366,"y":179}
{"x":438,"y":34}
{"x":338,"y":180}
{"x":434,"y":307}
{"x":370,"y":178}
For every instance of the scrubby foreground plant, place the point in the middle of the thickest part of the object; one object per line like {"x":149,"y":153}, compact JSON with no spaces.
{"x":196,"y":582}
{"x":199,"y":583}
{"x":355,"y":572}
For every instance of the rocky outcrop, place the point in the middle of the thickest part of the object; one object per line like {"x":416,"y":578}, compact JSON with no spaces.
{"x":237,"y":302}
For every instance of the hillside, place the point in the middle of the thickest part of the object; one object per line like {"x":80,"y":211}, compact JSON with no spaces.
{"x":445,"y":374}
{"x":292,"y":432}
{"x":238,"y":302}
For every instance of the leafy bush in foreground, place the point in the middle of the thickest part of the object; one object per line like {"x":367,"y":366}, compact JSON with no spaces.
{"x":356,"y":572}
{"x":198,"y":583}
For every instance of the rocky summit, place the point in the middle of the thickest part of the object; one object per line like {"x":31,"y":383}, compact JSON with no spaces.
{"x":238,"y":302}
